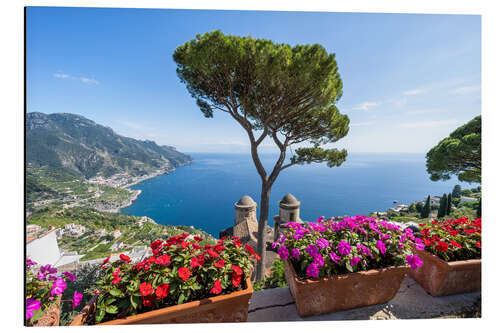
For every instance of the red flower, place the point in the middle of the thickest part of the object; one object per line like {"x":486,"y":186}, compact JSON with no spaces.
{"x":148,"y":301}
{"x":184,"y":244}
{"x":455,"y":244}
{"x":236,"y":280}
{"x":217,"y":288}
{"x":478,"y":244}
{"x":257,"y":257}
{"x":212,"y":253}
{"x":442,"y":247}
{"x":124,"y":257}
{"x":219,"y":264}
{"x":105,"y":261}
{"x":116,"y":280}
{"x":237,"y":270}
{"x":194,"y":262}
{"x":163,"y":260}
{"x":156,"y":245}
{"x":453,"y":232}
{"x":146,"y":289}
{"x":249,"y":249}
{"x":427,"y":242}
{"x":184,"y":273}
{"x":162,"y":290}
{"x":219,"y":248}
{"x":198,"y":238}
{"x":196,"y":246}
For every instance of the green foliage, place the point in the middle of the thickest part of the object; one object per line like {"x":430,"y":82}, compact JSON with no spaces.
{"x":448,"y":206}
{"x":459,"y":154}
{"x":478,"y":209}
{"x":419,"y":207}
{"x":426,"y":210}
{"x":268,"y":86}
{"x":275,"y":280}
{"x":412,"y":208}
{"x":456,"y":191}
{"x":443,"y":206}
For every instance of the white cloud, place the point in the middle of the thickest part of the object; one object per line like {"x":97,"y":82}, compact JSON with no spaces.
{"x":83,"y":79}
{"x":465,"y":90}
{"x":61,"y":76}
{"x":365,"y":106}
{"x":88,"y":81}
{"x":426,"y":124}
{"x":414,"y":92}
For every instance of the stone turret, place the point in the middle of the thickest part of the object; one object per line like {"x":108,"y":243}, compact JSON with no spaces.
{"x":246,"y":225}
{"x":289,"y":212}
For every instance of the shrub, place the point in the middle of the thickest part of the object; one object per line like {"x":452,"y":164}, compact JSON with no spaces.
{"x":357,"y":243}
{"x":453,"y":240}
{"x":276,"y":280}
{"x":180,"y":270}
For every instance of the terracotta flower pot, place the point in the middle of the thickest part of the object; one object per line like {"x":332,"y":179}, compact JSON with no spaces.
{"x":51,"y":317}
{"x":218,"y":309}
{"x":343,"y":292}
{"x":440,"y":278}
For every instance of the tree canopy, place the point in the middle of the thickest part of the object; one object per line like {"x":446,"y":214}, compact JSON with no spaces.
{"x":273,"y":90}
{"x":459,"y":154}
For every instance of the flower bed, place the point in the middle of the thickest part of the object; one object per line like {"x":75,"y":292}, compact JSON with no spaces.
{"x":43,"y":294}
{"x":329,"y":251}
{"x":180,"y":271}
{"x":452,"y":263}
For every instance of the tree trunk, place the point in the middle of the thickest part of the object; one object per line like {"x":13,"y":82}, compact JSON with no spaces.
{"x":263,"y":217}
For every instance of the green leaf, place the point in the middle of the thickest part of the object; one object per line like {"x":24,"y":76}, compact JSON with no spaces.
{"x":348,"y":266}
{"x":100,"y":315}
{"x":134,"y":300}
{"x":116,"y":292}
{"x":113,"y":309}
{"x":181,"y":299}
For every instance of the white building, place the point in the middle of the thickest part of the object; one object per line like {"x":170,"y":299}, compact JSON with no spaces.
{"x":32,"y":229}
{"x":116,"y":233}
{"x":101,"y":233}
{"x":117,"y":246}
{"x":45,"y":250}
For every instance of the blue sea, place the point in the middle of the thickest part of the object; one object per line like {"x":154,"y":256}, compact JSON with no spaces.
{"x":202,"y":194}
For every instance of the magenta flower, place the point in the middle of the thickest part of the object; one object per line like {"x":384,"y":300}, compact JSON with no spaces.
{"x":335,"y":258}
{"x":354,"y":261}
{"x":41,"y":276}
{"x":414,"y":261}
{"x":77,"y":298}
{"x":312,"y":250}
{"x":381,"y":246}
{"x":344,"y":248}
{"x":322,"y":243}
{"x":30,"y":263}
{"x":299,"y":234}
{"x":319,"y":260}
{"x":312,"y":270}
{"x":47,"y":269}
{"x":58,"y":287}
{"x":283,"y":252}
{"x":70,"y":276}
{"x":320,"y":219}
{"x":31,"y":306}
{"x":419,"y":245}
{"x":295,"y":253}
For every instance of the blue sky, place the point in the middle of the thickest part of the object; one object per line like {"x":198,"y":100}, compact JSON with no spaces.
{"x":409,"y":79}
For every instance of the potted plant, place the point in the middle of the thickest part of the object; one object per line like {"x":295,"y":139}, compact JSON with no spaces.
{"x":338,"y":265}
{"x":451,"y":257}
{"x":44,"y":288}
{"x":183,"y":281}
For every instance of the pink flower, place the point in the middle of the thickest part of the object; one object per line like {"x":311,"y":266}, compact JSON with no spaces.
{"x":283,"y":252}
{"x":31,"y":306}
{"x":381,"y":246}
{"x":312,"y":270}
{"x":354,"y":261}
{"x":295,"y":253}
{"x":414,"y":261}
{"x":344,"y":248}
{"x":58,"y":287}
{"x":70,"y":276}
{"x":335,"y":258}
{"x":77,"y":298}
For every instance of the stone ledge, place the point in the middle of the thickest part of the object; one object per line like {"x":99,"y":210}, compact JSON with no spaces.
{"x":411,"y":302}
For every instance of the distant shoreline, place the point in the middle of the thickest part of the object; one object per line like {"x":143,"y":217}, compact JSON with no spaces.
{"x":131,"y":200}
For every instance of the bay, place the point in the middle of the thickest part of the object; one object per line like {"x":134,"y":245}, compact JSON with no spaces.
{"x":202,"y":194}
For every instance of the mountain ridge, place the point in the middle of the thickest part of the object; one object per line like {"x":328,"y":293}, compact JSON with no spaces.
{"x":78,"y":145}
